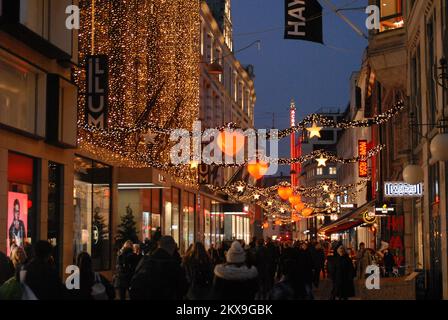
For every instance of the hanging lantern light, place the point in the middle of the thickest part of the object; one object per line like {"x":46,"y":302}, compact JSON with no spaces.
{"x":307,"y":212}
{"x":413,"y":174}
{"x":295,"y":199}
{"x":438,"y":147}
{"x":284,"y":192}
{"x":266,"y":225}
{"x":300,"y":206}
{"x":278,"y":223}
{"x":230,"y":142}
{"x":257,"y":169}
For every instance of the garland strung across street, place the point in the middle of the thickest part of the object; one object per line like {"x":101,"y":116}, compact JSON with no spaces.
{"x":311,"y":119}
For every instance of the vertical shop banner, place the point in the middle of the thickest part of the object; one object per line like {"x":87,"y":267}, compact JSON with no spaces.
{"x":97,"y":90}
{"x":303,"y":20}
{"x":17,"y":220}
{"x":362,"y":164}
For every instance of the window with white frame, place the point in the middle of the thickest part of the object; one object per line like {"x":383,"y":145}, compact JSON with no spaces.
{"x":319,"y":171}
{"x":22,"y":96}
{"x":332,"y":170}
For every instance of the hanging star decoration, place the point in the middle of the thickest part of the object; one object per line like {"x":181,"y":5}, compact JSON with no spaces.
{"x":325,"y":187}
{"x":314,"y":131}
{"x":322,"y":161}
{"x":149,"y":137}
{"x":240,"y":188}
{"x":256,"y":196}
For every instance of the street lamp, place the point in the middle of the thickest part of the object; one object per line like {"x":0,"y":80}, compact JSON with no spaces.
{"x":439,"y":143}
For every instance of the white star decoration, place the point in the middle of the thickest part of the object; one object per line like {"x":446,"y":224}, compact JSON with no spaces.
{"x":314,"y":131}
{"x":256,"y":196}
{"x":322,"y":162}
{"x":240,"y":188}
{"x":325,"y":188}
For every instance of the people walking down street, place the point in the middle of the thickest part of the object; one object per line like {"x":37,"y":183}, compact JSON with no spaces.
{"x":41,"y":276}
{"x":11,"y":289}
{"x":363,"y":260}
{"x":306,"y":269}
{"x":318,"y":256}
{"x":290,"y":266}
{"x":92,"y":286}
{"x":214,"y":255}
{"x":6,"y":268}
{"x":160,"y":275}
{"x":18,"y":257}
{"x":343,"y":274}
{"x":199,"y":272}
{"x":234,"y":280}
{"x":262,"y":261}
{"x":388,"y":261}
{"x":273,"y":255}
{"x":284,"y":289}
{"x":125,"y":269}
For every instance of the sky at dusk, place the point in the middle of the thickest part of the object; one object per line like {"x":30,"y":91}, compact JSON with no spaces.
{"x":314,"y":75}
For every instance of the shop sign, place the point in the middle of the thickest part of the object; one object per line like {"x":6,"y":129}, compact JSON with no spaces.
{"x":369,"y":217}
{"x":97,"y":90}
{"x":303,"y":20}
{"x":401,"y":189}
{"x":385,"y":209}
{"x":362,"y":164}
{"x":203,"y":174}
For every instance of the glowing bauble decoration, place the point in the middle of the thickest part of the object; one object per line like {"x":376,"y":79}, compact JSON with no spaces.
{"x":295,"y":199}
{"x":299,"y":206}
{"x":307,"y":212}
{"x":284,"y":192}
{"x":230,"y":142}
{"x":258,"y":169}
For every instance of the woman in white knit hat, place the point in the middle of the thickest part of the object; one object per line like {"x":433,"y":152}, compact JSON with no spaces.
{"x":233,"y":279}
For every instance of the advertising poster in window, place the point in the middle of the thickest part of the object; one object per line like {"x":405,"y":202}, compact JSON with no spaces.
{"x":17,"y":219}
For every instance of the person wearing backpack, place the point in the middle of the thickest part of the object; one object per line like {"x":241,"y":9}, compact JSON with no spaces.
{"x":125,"y":269}
{"x":93,"y":286}
{"x":160,"y":276}
{"x":199,"y":271}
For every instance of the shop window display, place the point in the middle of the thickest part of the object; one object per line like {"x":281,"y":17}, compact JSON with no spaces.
{"x":22,"y":216}
{"x":92,"y":211}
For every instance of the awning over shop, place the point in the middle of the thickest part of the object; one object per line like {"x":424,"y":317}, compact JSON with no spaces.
{"x":349,"y":220}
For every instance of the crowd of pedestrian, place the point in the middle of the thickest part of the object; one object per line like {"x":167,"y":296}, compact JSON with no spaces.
{"x":154,"y":270}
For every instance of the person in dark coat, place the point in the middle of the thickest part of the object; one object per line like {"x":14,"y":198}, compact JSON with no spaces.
{"x":318,"y":256}
{"x":344,"y":273}
{"x":160,"y":275}
{"x":87,"y":279}
{"x":199,"y":271}
{"x":389,"y":263}
{"x":234,"y":280}
{"x":306,"y":269}
{"x":214,"y":255}
{"x":41,"y":275}
{"x":262,"y":263}
{"x":290,"y":266}
{"x":6,"y":268}
{"x":126,"y":264}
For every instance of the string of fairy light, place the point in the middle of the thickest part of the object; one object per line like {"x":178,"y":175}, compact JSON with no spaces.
{"x":147,"y":43}
{"x":276,"y":209}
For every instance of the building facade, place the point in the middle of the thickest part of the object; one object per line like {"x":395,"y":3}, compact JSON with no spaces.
{"x":38,"y":103}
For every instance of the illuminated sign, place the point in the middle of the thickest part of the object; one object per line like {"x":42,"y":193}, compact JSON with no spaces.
{"x":385,"y":209}
{"x":401,"y":189}
{"x":369,"y":217}
{"x":362,"y":164}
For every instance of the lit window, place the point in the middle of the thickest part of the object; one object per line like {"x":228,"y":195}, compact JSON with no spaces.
{"x":391,"y":14}
{"x":332,"y":170}
{"x":319,"y":171}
